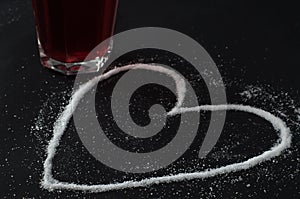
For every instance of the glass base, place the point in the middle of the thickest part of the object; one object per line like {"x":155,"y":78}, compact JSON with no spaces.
{"x":76,"y":67}
{"x":73,"y":68}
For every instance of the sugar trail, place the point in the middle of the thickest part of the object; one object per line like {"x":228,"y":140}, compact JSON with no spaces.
{"x":278,"y":102}
{"x":48,"y":182}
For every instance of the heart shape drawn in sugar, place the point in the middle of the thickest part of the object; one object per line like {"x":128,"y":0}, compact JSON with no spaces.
{"x":48,"y":182}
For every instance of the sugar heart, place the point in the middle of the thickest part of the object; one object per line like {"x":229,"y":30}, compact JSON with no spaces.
{"x":48,"y":182}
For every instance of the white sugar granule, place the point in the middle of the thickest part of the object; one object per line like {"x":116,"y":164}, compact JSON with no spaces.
{"x":297,"y":111}
{"x":50,"y":183}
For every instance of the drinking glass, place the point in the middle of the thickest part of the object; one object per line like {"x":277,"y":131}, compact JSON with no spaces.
{"x":67,"y":30}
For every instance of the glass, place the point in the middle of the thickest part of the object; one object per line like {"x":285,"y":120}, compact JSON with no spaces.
{"x":67,"y":30}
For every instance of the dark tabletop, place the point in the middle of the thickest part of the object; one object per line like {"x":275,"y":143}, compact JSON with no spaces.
{"x":252,"y":42}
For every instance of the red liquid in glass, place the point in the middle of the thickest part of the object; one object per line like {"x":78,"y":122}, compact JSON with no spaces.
{"x":69,"y":29}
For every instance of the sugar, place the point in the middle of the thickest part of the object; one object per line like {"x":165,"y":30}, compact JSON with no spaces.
{"x":297,"y":111}
{"x":50,"y":183}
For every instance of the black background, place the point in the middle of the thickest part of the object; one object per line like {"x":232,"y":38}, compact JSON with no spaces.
{"x":250,"y":41}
